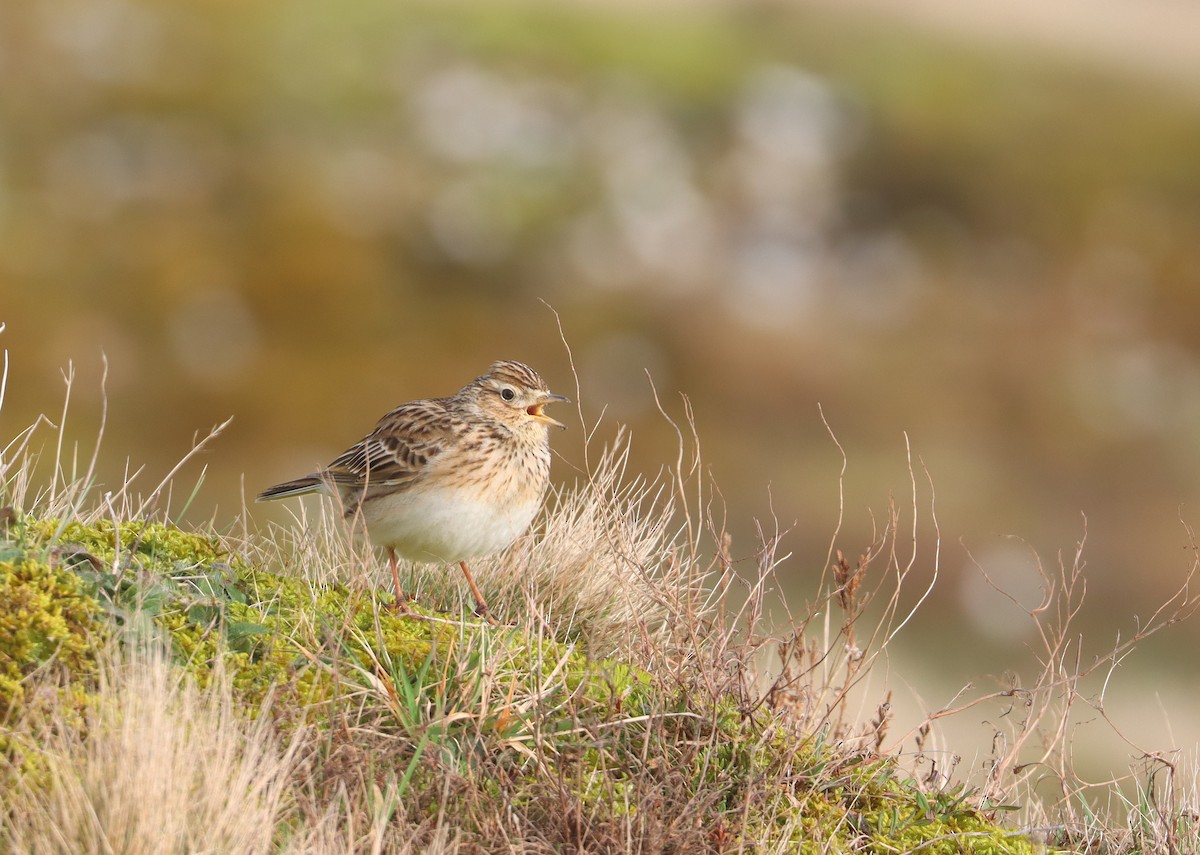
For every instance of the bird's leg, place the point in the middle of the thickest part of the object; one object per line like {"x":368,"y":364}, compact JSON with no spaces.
{"x":481,"y":608}
{"x":401,"y":603}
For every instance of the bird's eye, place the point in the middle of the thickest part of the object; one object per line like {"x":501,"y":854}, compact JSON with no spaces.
{"x":507,"y":393}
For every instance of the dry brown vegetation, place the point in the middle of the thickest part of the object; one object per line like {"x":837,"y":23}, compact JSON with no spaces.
{"x":636,"y":700}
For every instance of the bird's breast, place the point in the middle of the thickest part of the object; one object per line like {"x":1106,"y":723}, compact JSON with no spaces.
{"x":465,"y":512}
{"x":447,"y":524}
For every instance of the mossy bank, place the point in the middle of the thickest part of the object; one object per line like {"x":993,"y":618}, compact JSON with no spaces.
{"x":514,"y":739}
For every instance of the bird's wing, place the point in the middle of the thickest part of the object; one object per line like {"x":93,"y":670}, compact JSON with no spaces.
{"x":398,"y":452}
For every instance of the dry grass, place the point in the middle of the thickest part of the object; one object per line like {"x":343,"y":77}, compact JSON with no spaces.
{"x":155,"y":766}
{"x":718,"y":734}
{"x":159,"y":765}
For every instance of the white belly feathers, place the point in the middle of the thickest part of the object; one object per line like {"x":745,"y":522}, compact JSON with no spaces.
{"x":447,"y":524}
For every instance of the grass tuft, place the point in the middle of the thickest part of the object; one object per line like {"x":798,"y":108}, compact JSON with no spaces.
{"x":154,"y":765}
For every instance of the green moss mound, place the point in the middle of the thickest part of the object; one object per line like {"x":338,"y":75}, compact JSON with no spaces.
{"x":72,"y":585}
{"x":452,"y":716}
{"x":48,"y":622}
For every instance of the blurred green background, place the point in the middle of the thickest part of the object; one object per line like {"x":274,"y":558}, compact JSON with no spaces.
{"x":302,"y":213}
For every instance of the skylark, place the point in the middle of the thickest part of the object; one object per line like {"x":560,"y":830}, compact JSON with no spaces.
{"x":447,"y":479}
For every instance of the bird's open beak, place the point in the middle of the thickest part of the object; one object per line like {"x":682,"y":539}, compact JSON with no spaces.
{"x":535,"y":410}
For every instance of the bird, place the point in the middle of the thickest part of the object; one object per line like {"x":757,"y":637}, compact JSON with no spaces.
{"x":445,"y":480}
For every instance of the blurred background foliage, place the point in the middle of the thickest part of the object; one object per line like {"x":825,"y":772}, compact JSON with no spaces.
{"x":303,"y":213}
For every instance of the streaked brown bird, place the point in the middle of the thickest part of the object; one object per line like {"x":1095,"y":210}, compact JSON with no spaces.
{"x":447,"y":479}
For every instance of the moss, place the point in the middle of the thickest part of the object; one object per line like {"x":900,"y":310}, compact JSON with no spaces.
{"x":858,"y":804}
{"x":275,"y":634}
{"x":49,"y":627}
{"x":47,"y":623}
{"x":521,"y":718}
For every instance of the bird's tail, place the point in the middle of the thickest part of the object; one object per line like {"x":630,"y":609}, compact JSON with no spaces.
{"x":298,"y":487}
